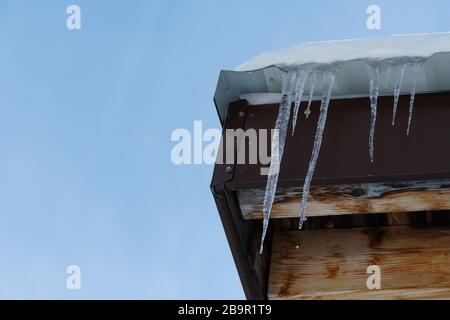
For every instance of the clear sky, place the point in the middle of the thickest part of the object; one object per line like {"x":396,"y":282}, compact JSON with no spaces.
{"x":86,"y":117}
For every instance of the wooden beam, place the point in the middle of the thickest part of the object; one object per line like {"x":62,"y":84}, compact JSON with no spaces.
{"x":351,"y":199}
{"x":332,"y":264}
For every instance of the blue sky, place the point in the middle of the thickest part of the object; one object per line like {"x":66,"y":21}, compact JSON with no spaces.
{"x":86,"y":116}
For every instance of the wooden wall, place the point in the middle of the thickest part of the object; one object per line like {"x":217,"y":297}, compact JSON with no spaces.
{"x":332,"y":264}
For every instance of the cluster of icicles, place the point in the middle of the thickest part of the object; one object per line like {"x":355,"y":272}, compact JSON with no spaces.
{"x":294,"y":80}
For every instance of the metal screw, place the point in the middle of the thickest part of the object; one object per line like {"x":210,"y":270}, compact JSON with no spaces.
{"x":242,"y":114}
{"x":229,"y":169}
{"x":219,"y":188}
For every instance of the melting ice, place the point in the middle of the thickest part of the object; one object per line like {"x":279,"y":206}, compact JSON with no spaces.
{"x":374,"y":90}
{"x":416,"y":67}
{"x":311,"y":93}
{"x":328,"y":82}
{"x":277,"y":148}
{"x":294,"y":84}
{"x":302,"y":75}
{"x":397,"y":89}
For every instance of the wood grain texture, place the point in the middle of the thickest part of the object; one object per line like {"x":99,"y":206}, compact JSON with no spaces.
{"x":351,"y":199}
{"x":332,"y":264}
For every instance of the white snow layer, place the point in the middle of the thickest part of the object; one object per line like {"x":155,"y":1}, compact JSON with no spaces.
{"x":327,"y":52}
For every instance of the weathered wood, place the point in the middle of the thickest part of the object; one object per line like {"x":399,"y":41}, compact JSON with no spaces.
{"x":351,"y":199}
{"x":332,"y":264}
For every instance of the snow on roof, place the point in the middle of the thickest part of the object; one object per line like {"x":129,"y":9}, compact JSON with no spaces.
{"x":260,"y":78}
{"x":326,"y":52}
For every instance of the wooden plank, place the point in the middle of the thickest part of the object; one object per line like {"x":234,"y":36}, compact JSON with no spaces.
{"x":332,"y":264}
{"x":351,"y":199}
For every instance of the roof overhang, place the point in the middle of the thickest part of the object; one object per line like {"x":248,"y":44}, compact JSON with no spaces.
{"x":352,"y":81}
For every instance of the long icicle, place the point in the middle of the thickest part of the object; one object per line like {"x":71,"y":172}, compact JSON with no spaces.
{"x":277,"y":149}
{"x":311,"y":93}
{"x":413,"y":94}
{"x":374,"y":89}
{"x":302,"y":75}
{"x":328,"y":82}
{"x":387,"y":75}
{"x":397,"y":89}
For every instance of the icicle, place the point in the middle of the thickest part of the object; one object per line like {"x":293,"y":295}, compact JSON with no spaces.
{"x":397,"y":89}
{"x":302,"y":75}
{"x":374,"y":89}
{"x":328,"y":82}
{"x":413,"y":94}
{"x":387,"y":75}
{"x":311,"y":92}
{"x":277,"y":149}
